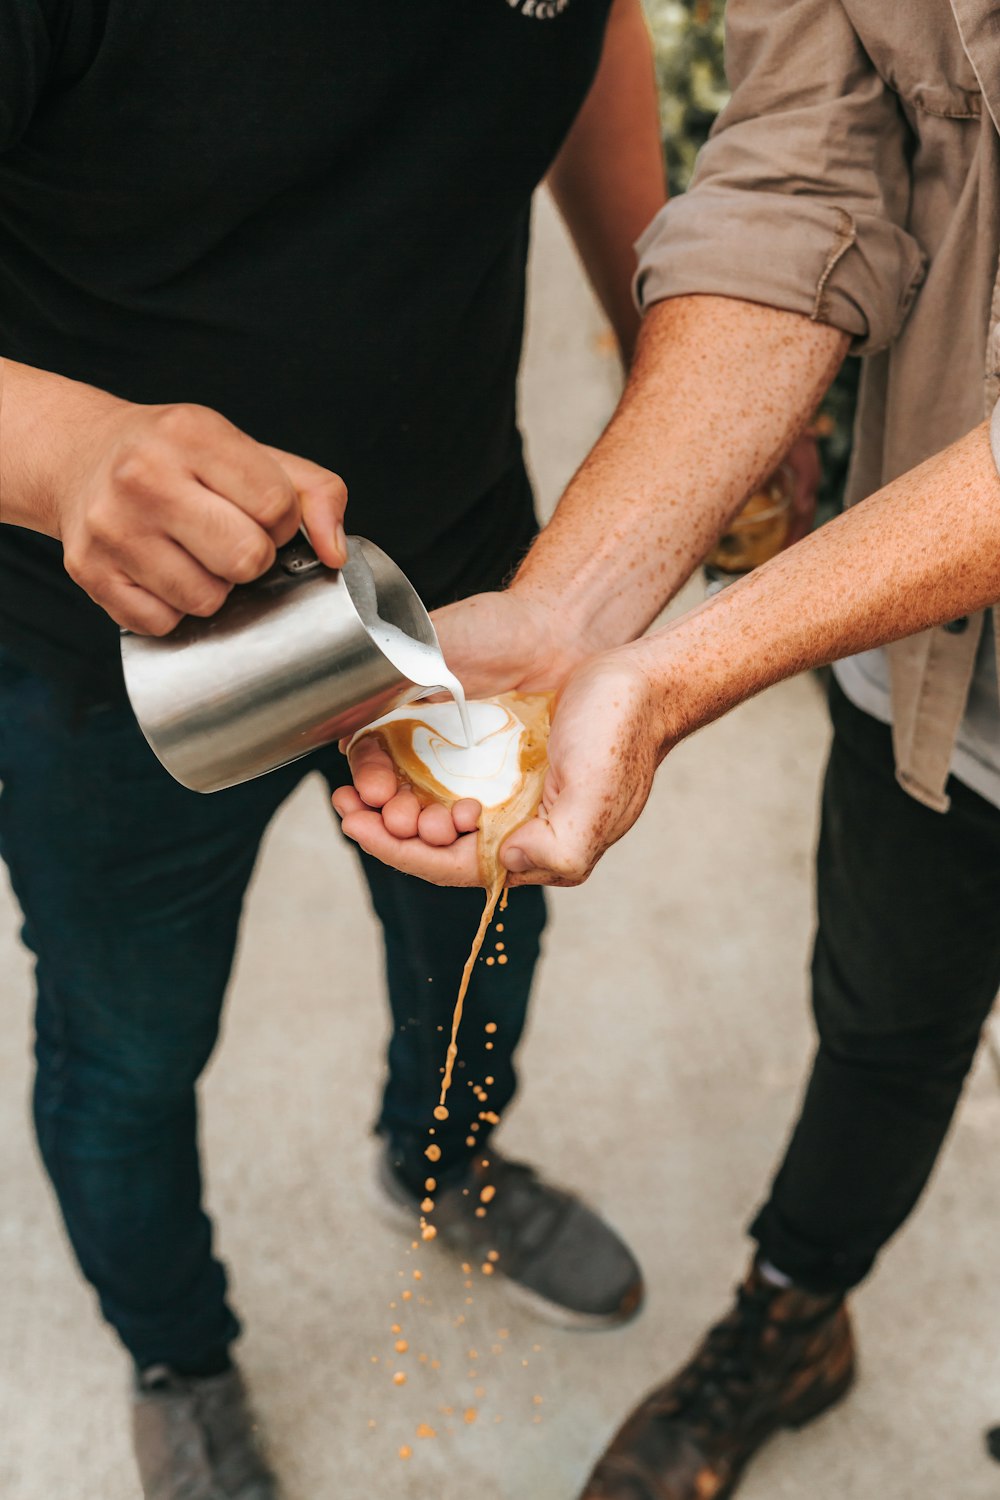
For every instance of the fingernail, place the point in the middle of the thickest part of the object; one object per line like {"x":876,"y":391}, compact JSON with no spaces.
{"x":516,"y":861}
{"x":340,"y":538}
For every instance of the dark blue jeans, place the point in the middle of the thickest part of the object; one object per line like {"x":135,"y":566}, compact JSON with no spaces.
{"x":131,"y":889}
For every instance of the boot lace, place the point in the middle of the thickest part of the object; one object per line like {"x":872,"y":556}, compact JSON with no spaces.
{"x":723,"y":1375}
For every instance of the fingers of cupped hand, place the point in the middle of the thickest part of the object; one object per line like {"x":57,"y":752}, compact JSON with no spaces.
{"x":346,"y":801}
{"x":436,"y":826}
{"x":404,"y":818}
{"x":455,"y":864}
{"x":466,"y":814}
{"x":401,"y":814}
{"x":373,"y":772}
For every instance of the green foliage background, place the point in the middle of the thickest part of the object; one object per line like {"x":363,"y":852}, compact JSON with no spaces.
{"x":689,"y":39}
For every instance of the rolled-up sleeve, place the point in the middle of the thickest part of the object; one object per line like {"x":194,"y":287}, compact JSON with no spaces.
{"x":800,"y":195}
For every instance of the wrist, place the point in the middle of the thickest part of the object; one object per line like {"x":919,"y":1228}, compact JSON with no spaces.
{"x":685,"y":691}
{"x":53,"y":430}
{"x":559,"y":634}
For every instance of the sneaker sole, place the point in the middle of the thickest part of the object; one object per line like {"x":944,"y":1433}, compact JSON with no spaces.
{"x":398,"y":1216}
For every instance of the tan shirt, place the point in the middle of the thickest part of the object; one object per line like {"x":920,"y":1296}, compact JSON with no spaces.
{"x":855,"y":177}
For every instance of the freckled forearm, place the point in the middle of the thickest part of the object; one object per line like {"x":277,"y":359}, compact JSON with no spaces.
{"x":719,"y":391}
{"x":922,"y":551}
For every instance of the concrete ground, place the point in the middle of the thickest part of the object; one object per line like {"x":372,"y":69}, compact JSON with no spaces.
{"x":664,"y":1060}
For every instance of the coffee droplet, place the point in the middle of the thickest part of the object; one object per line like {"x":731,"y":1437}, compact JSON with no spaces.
{"x":499,"y":927}
{"x":406,"y":1451}
{"x":490,"y":960}
{"x":433,"y":1153}
{"x":469,"y":1415}
{"x":488,"y":1193}
{"x":430,"y":1184}
{"x":470,"y":1140}
{"x":425,"y":1431}
{"x":418,"y":1275}
{"x":502,"y":959}
{"x":480,"y":1213}
{"x":537,"y":1400}
{"x":440,"y":1112}
{"x":499,"y":947}
{"x":407,"y":1295}
{"x":495,"y":1255}
{"x":428,"y":1232}
{"x":491,"y":1026}
{"x":487,"y":1268}
{"x":399,"y":1378}
{"x":396,"y":1328}
{"x":427,"y":1205}
{"x":490,"y":1078}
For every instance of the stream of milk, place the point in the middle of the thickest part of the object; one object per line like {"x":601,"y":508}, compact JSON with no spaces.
{"x":422,"y":664}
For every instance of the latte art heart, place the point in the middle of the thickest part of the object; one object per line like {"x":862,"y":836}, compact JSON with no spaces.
{"x":489,"y":770}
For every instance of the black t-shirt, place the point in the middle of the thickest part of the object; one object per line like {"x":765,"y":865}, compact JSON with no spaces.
{"x":311,"y":215}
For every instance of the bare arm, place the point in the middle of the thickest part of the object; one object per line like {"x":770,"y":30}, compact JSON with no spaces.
{"x":608,"y":179}
{"x":160,"y":509}
{"x":921,"y":551}
{"x":719,"y":391}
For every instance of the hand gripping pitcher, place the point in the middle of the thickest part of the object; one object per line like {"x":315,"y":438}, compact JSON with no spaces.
{"x":300,"y":657}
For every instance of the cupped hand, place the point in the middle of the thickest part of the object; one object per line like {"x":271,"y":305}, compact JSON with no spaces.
{"x":173,"y":505}
{"x":494,"y":643}
{"x":605,"y":745}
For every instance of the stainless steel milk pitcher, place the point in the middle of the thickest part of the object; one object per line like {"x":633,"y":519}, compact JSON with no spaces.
{"x":286,"y":665}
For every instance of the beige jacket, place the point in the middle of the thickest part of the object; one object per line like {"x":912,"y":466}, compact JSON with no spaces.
{"x":855,"y":177}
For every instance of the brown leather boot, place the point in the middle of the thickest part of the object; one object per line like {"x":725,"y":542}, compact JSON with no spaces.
{"x":778,"y":1359}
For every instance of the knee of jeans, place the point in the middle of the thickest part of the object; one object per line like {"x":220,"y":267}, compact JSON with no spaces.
{"x":940,"y":1051}
{"x":132,"y":1088}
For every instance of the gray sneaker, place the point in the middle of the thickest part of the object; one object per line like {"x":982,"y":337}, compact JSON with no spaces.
{"x":558,"y":1256}
{"x":194,"y":1439}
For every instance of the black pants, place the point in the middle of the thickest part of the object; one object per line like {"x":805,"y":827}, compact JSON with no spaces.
{"x":132,"y":891}
{"x":905,"y":970}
